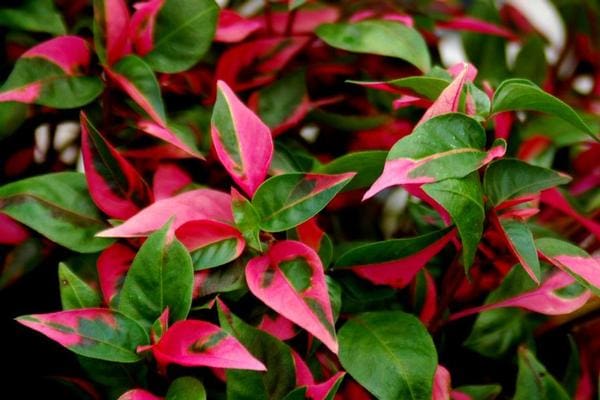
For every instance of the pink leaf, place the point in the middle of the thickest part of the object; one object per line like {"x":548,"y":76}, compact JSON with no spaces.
{"x":115,"y":186}
{"x":164,"y":133}
{"x":113,"y":18}
{"x":323,"y":391}
{"x":429,"y":309}
{"x":311,"y":234}
{"x":554,"y":198}
{"x":198,"y":234}
{"x":242,"y":141}
{"x":305,"y":20}
{"x":465,"y":23}
{"x":233,"y":28}
{"x":142,"y":25}
{"x":304,"y":376}
{"x":290,"y":280}
{"x":194,"y":205}
{"x":278,"y":326}
{"x":11,"y":232}
{"x":138,"y":394}
{"x":24,"y":94}
{"x":441,"y":384}
{"x":70,"y":53}
{"x":194,"y":343}
{"x":112,"y":265}
{"x":542,"y":300}
{"x":168,"y":180}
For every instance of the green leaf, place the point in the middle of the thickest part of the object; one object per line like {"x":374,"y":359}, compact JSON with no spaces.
{"x":521,"y":94}
{"x":182,"y":35}
{"x":246,"y":219}
{"x":34,"y":16}
{"x":463,"y":200}
{"x":534,"y":382}
{"x":186,"y":388}
{"x":278,"y":101}
{"x":57,"y":206}
{"x":385,"y":38}
{"x":287,"y":200}
{"x":531,"y":61}
{"x":20,"y":260}
{"x":368,"y":165}
{"x":74,"y":291}
{"x":389,"y":353}
{"x":160,"y":276}
{"x":12,"y":116}
{"x":480,"y":392}
{"x":511,"y":178}
{"x":521,"y":242}
{"x":277,"y":381}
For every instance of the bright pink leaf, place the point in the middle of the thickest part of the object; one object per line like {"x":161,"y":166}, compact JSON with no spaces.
{"x":233,"y":28}
{"x":25,"y":94}
{"x":408,"y":101}
{"x":310,"y":234}
{"x":142,"y":25}
{"x":586,"y":267}
{"x":429,"y":309}
{"x":114,"y":184}
{"x":194,"y":205}
{"x":555,"y":199}
{"x":198,"y":234}
{"x":112,"y":265}
{"x":322,"y":391}
{"x":441,"y":384}
{"x":242,"y":141}
{"x":113,"y":18}
{"x":70,"y":53}
{"x":11,"y":232}
{"x":194,"y":343}
{"x":138,"y":394}
{"x":305,"y":21}
{"x":168,"y":180}
{"x":304,"y":376}
{"x":164,"y":133}
{"x":278,"y":326}
{"x":290,"y":280}
{"x":465,"y":23}
{"x":543,"y":300}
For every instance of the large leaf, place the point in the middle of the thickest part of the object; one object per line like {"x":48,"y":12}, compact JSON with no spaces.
{"x":287,"y":200}
{"x":290,"y":280}
{"x":447,"y":146}
{"x":115,"y":186}
{"x":74,"y":291}
{"x":94,"y":332}
{"x":161,"y":276}
{"x":394,"y":262}
{"x":385,"y":38}
{"x":173,"y":35}
{"x":511,"y":178}
{"x":195,"y":343}
{"x":242,"y":141}
{"x":521,"y":94}
{"x":279,"y":378}
{"x":34,"y":16}
{"x":389,"y":353}
{"x":534,"y":382}
{"x":200,"y":204}
{"x":52,"y":74}
{"x":463,"y":200}
{"x":111,"y":30}
{"x":59,"y":207}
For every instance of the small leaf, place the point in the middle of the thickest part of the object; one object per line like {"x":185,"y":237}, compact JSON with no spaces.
{"x":200,"y":204}
{"x":57,"y":206}
{"x":246,"y":219}
{"x":111,"y":30}
{"x":389,"y":353}
{"x":447,"y":146}
{"x":507,"y":179}
{"x":478,"y":392}
{"x":193,"y":343}
{"x":34,"y":16}
{"x":138,"y":394}
{"x":186,"y":388}
{"x":521,"y":94}
{"x":385,"y":38}
{"x":394,"y":262}
{"x":74,"y":291}
{"x":287,"y":200}
{"x":519,"y":238}
{"x":115,"y":186}
{"x":49,"y":75}
{"x":233,"y":28}
{"x":367,"y":165}
{"x":112,"y":265}
{"x":534,"y":382}
{"x":94,"y":332}
{"x":290,"y":280}
{"x":242,"y":141}
{"x":161,"y":276}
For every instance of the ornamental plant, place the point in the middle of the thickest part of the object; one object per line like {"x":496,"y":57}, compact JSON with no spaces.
{"x":303,"y":199}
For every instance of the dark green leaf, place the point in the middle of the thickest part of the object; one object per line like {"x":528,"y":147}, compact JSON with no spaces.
{"x":74,"y":291}
{"x":186,"y":388}
{"x":34,"y":16}
{"x":368,"y":165}
{"x":534,"y":382}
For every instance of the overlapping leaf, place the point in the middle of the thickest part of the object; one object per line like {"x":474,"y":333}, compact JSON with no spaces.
{"x":111,"y":30}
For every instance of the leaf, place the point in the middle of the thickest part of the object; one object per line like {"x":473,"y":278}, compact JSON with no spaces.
{"x":160,"y":276}
{"x":242,"y":141}
{"x":138,"y":394}
{"x":291,"y":281}
{"x":246,"y":219}
{"x":471,"y":24}
{"x":169,"y":179}
{"x":112,"y":265}
{"x":521,"y":94}
{"x":478,"y":392}
{"x":573,"y":260}
{"x":509,"y":178}
{"x":394,"y":262}
{"x":199,"y":204}
{"x":442,"y":383}
{"x":321,"y":391}
{"x":193,"y":343}
{"x":276,"y":356}
{"x":287,"y":200}
{"x":94,"y":332}
{"x":385,"y":38}
{"x":171,"y":134}
{"x":555,"y":199}
{"x":227,"y":278}
{"x":367,"y":165}
{"x":48,"y":75}
{"x":534,"y":382}
{"x":210,"y":243}
{"x":519,"y":238}
{"x":111,"y":30}
{"x":57,"y":206}
{"x":137,"y":79}
{"x":12,"y":233}
{"x":186,"y":388}
{"x":115,"y":186}
{"x":389,"y":353}
{"x":20,"y":260}
{"x":74,"y":291}
{"x":233,"y":28}
{"x":463,"y":200}
{"x":447,"y":146}
{"x":34,"y":16}
{"x":173,"y":35}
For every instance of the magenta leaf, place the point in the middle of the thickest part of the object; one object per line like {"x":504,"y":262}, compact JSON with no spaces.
{"x":555,"y":199}
{"x":278,"y":326}
{"x":242,"y":141}
{"x":465,"y":23}
{"x":290,"y":280}
{"x":325,"y":390}
{"x":113,"y":264}
{"x":138,"y":394}
{"x":200,"y":204}
{"x":93,"y":332}
{"x":232,"y":27}
{"x":169,"y":134}
{"x":193,"y":343}
{"x":441,"y":384}
{"x":11,"y":232}
{"x":111,"y":30}
{"x":115,"y":186}
{"x":168,"y":180}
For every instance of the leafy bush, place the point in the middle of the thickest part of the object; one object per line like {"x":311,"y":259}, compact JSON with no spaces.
{"x":296,"y":199}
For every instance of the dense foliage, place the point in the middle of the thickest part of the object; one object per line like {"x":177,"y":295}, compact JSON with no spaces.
{"x":302,"y":199}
